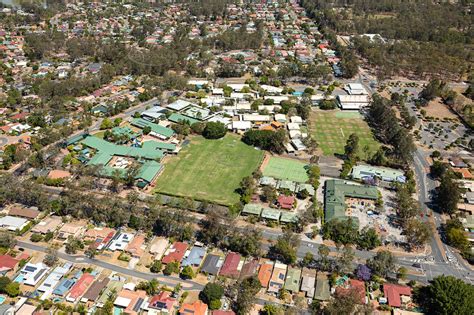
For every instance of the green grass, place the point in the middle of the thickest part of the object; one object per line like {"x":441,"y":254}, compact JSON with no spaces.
{"x":209,"y":169}
{"x":286,"y":169}
{"x":99,"y":134}
{"x":331,"y":129}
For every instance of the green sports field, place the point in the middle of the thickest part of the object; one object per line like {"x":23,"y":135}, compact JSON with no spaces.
{"x":331,"y":129}
{"x":209,"y":169}
{"x":286,"y":169}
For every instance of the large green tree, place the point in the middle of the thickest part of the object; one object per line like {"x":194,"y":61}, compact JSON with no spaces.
{"x":447,"y":295}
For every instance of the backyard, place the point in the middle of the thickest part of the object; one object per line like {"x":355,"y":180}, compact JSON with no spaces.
{"x":331,"y":129}
{"x":209,"y":170}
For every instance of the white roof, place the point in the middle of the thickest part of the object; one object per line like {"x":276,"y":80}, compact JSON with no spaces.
{"x":241,"y":125}
{"x":122,"y":301}
{"x":121,"y":241}
{"x":254,"y":117}
{"x":154,"y":112}
{"x":217,"y":91}
{"x":353,"y":98}
{"x":296,"y":119}
{"x":277,"y":99}
{"x":179,"y":105}
{"x":271,"y":89}
{"x":280,"y":117}
{"x":12,"y":223}
{"x":355,"y":89}
{"x":33,"y":273}
{"x":293,"y":126}
{"x":237,"y":86}
{"x":197,"y":82}
{"x":269,"y":108}
{"x":241,"y":95}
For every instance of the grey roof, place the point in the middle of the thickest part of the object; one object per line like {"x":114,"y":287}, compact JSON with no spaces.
{"x":195,"y":257}
{"x":212,"y":264}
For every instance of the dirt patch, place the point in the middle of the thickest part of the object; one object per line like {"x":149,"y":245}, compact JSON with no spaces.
{"x":437,"y":109}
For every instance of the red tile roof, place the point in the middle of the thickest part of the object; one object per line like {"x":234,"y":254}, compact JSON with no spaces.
{"x":393,"y":292}
{"x":162,"y":301}
{"x":176,"y":253}
{"x":81,"y":286}
{"x":221,"y":312}
{"x":197,"y":308}
{"x":265,"y":273}
{"x":7,"y":262}
{"x":286,"y":202}
{"x":229,"y":268}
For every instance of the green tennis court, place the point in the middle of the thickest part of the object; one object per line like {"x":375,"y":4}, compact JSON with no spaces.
{"x":286,"y":169}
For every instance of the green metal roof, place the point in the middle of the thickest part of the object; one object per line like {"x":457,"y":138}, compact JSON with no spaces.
{"x":75,"y":139}
{"x":322,"y":292}
{"x":154,"y":145}
{"x":335,"y":197}
{"x":292,"y":281}
{"x":100,"y":158}
{"x":288,"y":217}
{"x":149,"y":152}
{"x":148,"y":171}
{"x":272,"y":214}
{"x":360,"y":171}
{"x":142,"y":123}
{"x":112,"y":286}
{"x":252,"y":208}
{"x":177,"y":117}
{"x":287,"y":184}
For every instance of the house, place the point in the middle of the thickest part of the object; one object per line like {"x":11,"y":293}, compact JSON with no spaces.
{"x":99,"y":236}
{"x":255,"y":118}
{"x":71,"y":229}
{"x":286,"y":202}
{"x":13,"y":223}
{"x":80,"y":287}
{"x":252,"y":209}
{"x":271,"y":214}
{"x":31,"y":273}
{"x":230,"y":268}
{"x":212,"y":264}
{"x":322,"y":292}
{"x":179,"y":105}
{"x":175,"y":253}
{"x":158,"y":247}
{"x":195,"y":257}
{"x":292,"y":281}
{"x":7,"y":263}
{"x":154,"y":113}
{"x":26,"y":309}
{"x":352,"y":102}
{"x":277,"y":280}
{"x":457,"y":162}
{"x":22,"y":212}
{"x":162,"y":302}
{"x":249,"y":268}
{"x":93,"y":293}
{"x":134,"y":248}
{"x":132,"y":302}
{"x":111,"y":289}
{"x":120,"y":241}
{"x":396,"y":294}
{"x":52,"y":280}
{"x":241,"y":126}
{"x":196,"y":308}
{"x":49,"y":224}
{"x":308,"y":282}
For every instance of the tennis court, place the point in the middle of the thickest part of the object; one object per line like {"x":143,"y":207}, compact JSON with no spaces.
{"x":286,"y":169}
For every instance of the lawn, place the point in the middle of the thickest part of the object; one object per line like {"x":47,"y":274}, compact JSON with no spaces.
{"x":331,"y":129}
{"x":286,"y":169}
{"x":209,"y":169}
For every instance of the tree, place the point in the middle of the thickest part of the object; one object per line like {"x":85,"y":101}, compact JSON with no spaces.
{"x":36,"y":237}
{"x":211,"y":292}
{"x":13,"y":289}
{"x":402,"y":273}
{"x":406,"y":206}
{"x":172,"y":267}
{"x":106,"y":124}
{"x":448,"y":194}
{"x":363,"y":272}
{"x":151,"y":287}
{"x":146,"y":130}
{"x":73,"y":245}
{"x":323,"y":252}
{"x":344,"y":302}
{"x":156,"y":266}
{"x":4,"y":281}
{"x":187,"y":273}
{"x":308,"y":259}
{"x":341,"y":231}
{"x":285,"y":248}
{"x":344,"y":261}
{"x":456,"y":237}
{"x":7,"y":240}
{"x":368,"y":239}
{"x":438,"y":169}
{"x":272,"y":309}
{"x":269,"y":194}
{"x":214,"y":130}
{"x":447,"y":295}
{"x":417,"y":233}
{"x":247,"y":290}
{"x":51,"y":257}
{"x":351,"y":148}
{"x":382,"y":263}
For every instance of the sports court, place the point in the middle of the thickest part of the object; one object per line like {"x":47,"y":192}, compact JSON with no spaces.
{"x":286,"y":169}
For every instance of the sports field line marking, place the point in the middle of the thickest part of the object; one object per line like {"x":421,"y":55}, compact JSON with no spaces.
{"x":342,"y":131}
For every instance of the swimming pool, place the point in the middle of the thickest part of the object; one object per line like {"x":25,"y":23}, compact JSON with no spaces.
{"x":117,"y":310}
{"x":2,"y":299}
{"x":20,"y":278}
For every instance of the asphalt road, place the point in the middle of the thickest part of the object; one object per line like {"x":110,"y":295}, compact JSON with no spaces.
{"x":81,"y":259}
